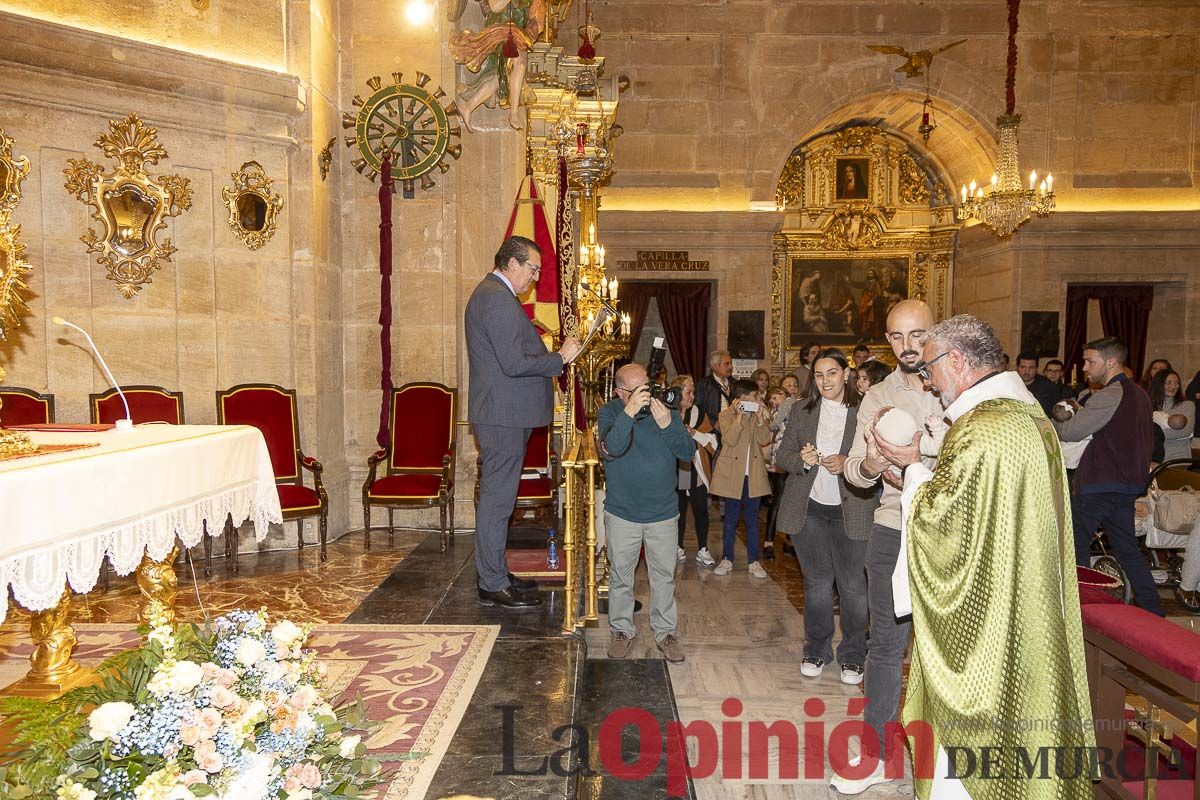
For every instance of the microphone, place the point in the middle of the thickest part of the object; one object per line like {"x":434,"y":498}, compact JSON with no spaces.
{"x":123,"y":425}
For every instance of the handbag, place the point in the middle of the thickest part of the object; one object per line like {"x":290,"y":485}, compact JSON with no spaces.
{"x":1175,"y":510}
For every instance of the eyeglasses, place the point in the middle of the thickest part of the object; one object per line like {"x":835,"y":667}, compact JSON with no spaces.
{"x":537,"y":268}
{"x":922,"y":367}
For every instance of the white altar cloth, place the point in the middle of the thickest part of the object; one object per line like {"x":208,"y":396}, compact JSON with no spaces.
{"x":62,"y":513}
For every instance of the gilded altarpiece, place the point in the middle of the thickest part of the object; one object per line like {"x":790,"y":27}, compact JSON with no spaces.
{"x":868,"y":222}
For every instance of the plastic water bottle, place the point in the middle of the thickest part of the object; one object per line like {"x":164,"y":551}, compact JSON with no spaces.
{"x":551,"y":550}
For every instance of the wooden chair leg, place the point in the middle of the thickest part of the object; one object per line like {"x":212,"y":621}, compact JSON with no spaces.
{"x":207,"y":552}
{"x":451,"y":519}
{"x":442,"y":529}
{"x":391,"y":527}
{"x":231,"y":543}
{"x":300,"y":534}
{"x":367,"y":525}
{"x":324,"y":529}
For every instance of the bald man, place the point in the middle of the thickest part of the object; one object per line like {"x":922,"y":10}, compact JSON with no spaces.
{"x":907,"y":324}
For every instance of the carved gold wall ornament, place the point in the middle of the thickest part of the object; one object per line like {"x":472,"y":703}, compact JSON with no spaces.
{"x":325,"y":159}
{"x":856,"y":227}
{"x":253,"y":209}
{"x":914,"y":187}
{"x":13,"y":269}
{"x":12,"y":173}
{"x":790,"y":191}
{"x":915,"y":64}
{"x":131,"y":207}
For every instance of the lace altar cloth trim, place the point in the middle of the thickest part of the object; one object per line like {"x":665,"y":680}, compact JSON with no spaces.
{"x":36,"y":579}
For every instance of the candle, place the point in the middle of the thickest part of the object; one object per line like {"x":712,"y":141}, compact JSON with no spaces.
{"x":604,"y":288}
{"x":1049,"y":182}
{"x":612,"y":290}
{"x":600,"y":255}
{"x":583,"y":255}
{"x":1041,"y":188}
{"x":579,"y":291}
{"x":972,"y":186}
{"x":995,"y":180}
{"x":979,"y":192}
{"x":964,"y":193}
{"x":591,"y":233}
{"x":1032,"y":179}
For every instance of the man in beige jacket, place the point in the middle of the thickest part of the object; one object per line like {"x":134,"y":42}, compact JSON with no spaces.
{"x":904,"y":389}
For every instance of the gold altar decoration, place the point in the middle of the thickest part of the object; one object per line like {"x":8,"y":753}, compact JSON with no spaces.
{"x":130,"y":206}
{"x":253,"y":209}
{"x":581,"y":466}
{"x":52,"y":669}
{"x":325,"y":159}
{"x":13,"y":269}
{"x":868,"y":221}
{"x":159,"y":587}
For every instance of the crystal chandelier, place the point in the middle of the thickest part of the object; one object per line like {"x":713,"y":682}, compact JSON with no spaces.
{"x":1008,"y":204}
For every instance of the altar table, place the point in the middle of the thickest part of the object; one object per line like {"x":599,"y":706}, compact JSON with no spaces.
{"x":128,"y":497}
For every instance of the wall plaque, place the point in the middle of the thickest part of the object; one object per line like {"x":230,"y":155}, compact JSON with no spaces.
{"x":663,"y":261}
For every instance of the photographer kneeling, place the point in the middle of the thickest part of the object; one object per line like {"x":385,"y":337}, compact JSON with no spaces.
{"x":641,"y":441}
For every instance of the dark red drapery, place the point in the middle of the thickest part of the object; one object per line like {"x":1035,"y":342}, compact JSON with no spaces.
{"x":683,"y":306}
{"x":385,"y":298}
{"x":1124,"y":313}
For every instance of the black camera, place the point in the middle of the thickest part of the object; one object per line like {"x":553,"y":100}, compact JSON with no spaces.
{"x":669,"y":396}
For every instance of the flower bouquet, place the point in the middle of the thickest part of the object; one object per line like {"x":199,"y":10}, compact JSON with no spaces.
{"x":235,"y":711}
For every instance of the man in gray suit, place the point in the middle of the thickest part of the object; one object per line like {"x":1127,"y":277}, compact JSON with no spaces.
{"x":511,"y":393}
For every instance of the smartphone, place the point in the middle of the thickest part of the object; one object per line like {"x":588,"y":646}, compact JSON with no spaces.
{"x":749,"y":406}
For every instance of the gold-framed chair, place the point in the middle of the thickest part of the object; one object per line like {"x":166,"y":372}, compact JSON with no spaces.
{"x":146,"y":404}
{"x":272,"y":409}
{"x":420,"y":458}
{"x":21,"y":406}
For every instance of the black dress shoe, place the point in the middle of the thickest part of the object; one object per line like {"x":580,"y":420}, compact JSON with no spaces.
{"x":522,"y":584}
{"x":507,"y":598}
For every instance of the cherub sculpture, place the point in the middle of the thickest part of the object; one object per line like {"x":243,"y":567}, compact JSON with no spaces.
{"x":496,"y":55}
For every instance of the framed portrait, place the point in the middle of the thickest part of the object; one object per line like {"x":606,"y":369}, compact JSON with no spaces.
{"x":747,"y":334}
{"x":853,"y":179}
{"x":1039,"y":333}
{"x":842,"y":301}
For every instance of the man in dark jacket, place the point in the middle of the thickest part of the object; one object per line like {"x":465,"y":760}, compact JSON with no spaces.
{"x":713,"y":390}
{"x":510,"y":395}
{"x":1115,"y":466}
{"x":1044,"y":390}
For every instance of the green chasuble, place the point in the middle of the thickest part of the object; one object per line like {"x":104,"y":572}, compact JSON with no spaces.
{"x":998,"y":653}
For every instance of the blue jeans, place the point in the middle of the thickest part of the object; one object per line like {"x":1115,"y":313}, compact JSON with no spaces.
{"x":747,"y":508}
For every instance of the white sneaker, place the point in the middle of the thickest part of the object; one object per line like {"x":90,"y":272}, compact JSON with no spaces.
{"x":724,"y":568}
{"x":852,"y":674}
{"x":704,"y":558}
{"x":848,"y":786}
{"x":757,"y":571}
{"x":812,"y":667}
{"x":680,"y":554}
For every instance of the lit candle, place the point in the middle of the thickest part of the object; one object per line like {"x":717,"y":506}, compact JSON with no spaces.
{"x":583,"y":255}
{"x":964,"y":193}
{"x":612,"y":290}
{"x":1032,"y":179}
{"x":579,"y":291}
{"x":625,"y":324}
{"x":591,"y":318}
{"x":972,"y":186}
{"x":604,"y":288}
{"x":592,"y":233}
{"x":1041,"y":188}
{"x":995,"y":180}
{"x":979,"y":192}
{"x":1049,"y":182}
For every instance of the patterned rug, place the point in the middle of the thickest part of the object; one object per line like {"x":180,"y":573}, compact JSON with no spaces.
{"x":416,"y":679}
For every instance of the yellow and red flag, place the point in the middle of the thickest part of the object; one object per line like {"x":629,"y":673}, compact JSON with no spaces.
{"x":529,"y":220}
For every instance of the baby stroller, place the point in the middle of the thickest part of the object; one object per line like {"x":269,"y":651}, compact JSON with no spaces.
{"x":1164,"y":549}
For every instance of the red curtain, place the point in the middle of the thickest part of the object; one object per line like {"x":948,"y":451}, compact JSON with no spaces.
{"x":1075,"y":331}
{"x":1124,"y":313}
{"x":684,"y":311}
{"x":635,"y":301}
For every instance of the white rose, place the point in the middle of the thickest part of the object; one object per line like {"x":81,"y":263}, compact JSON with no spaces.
{"x":258,"y":771}
{"x":348,"y":746}
{"x":250,"y":652}
{"x":286,"y":634}
{"x":108,"y":719}
{"x":74,"y":791}
{"x":185,"y":676}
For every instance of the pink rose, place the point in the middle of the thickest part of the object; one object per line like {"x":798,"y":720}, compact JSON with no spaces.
{"x":310,"y":776}
{"x":291,"y":785}
{"x":190,"y":735}
{"x":193,"y":777}
{"x":210,"y":762}
{"x":226,"y":678}
{"x":210,"y":721}
{"x":303,"y":697}
{"x":222,"y":697}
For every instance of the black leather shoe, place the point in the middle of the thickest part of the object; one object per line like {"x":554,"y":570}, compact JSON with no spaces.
{"x":522,"y":584}
{"x":509,"y":599}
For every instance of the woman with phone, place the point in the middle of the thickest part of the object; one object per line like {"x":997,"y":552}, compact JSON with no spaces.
{"x":829,"y":519}
{"x":740,"y":475}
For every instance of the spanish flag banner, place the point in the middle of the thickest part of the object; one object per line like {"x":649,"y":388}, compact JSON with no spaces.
{"x":529,"y":220}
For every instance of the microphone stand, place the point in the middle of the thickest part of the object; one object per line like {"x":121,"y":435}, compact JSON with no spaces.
{"x":123,"y":425}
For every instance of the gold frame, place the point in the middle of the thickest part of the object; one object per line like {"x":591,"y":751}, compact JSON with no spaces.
{"x":134,"y":145}
{"x":251,"y":181}
{"x":13,"y":269}
{"x":908,"y":215}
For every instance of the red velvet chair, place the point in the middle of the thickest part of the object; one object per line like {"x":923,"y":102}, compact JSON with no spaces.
{"x":25,"y":407}
{"x":538,"y":493}
{"x":272,"y":409}
{"x":146,"y":404}
{"x":419,"y":461}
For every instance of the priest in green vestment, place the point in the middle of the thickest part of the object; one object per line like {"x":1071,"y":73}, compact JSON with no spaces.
{"x":997,"y":669}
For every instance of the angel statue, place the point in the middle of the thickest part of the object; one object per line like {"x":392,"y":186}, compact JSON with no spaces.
{"x":496,"y":55}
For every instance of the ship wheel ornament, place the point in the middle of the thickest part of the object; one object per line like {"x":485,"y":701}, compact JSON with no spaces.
{"x":407,"y":121}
